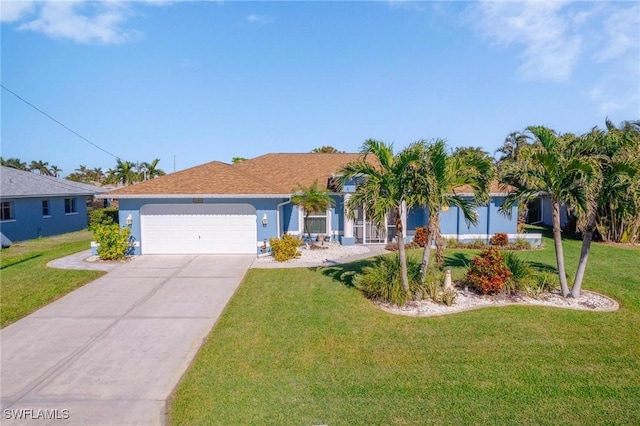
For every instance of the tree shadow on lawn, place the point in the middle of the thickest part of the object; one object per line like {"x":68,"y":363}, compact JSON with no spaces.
{"x":346,"y":272}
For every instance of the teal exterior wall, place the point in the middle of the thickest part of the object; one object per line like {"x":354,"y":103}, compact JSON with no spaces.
{"x":29,"y":222}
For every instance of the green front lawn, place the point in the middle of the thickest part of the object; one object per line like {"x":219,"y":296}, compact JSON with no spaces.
{"x":28,"y":284}
{"x":299,"y":347}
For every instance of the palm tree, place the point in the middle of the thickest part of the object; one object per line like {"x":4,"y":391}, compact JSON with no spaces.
{"x":312,"y":199}
{"x":14,"y":163}
{"x":41,"y":167}
{"x":552,"y":165}
{"x":125,"y":172}
{"x":151,"y":170}
{"x":384,"y":186}
{"x":443,"y":173}
{"x":511,"y":147}
{"x":55,"y":171}
{"x":616,"y":176}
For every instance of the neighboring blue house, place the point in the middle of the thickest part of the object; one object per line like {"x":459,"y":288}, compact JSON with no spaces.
{"x":225,"y":209}
{"x":35,"y":206}
{"x":540,"y":212}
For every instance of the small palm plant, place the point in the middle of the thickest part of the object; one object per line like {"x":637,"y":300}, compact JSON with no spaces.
{"x":312,"y":199}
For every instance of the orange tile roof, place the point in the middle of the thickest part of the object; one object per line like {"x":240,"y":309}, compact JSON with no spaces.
{"x":269,"y":174}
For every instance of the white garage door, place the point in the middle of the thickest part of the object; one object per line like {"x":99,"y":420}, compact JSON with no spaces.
{"x":198,"y":229}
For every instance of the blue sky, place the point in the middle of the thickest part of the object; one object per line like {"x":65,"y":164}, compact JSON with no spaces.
{"x":206,"y":81}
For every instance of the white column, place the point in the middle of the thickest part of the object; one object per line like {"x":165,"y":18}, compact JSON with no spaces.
{"x":348,"y":223}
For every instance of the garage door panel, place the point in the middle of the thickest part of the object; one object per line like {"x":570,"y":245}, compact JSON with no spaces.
{"x":198,"y":233}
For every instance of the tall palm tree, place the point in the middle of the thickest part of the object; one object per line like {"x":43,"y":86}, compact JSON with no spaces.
{"x":41,"y":167}
{"x":384,"y":186}
{"x":552,"y":165}
{"x":14,"y":163}
{"x":613,"y":180}
{"x":151,"y":170}
{"x":126,"y":172}
{"x":312,"y":199}
{"x":55,"y":171}
{"x":442,"y":174}
{"x":511,"y":147}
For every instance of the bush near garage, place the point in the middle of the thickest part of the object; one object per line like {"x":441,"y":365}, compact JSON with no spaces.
{"x":285,"y":248}
{"x":113,"y":241}
{"x":105,"y":216}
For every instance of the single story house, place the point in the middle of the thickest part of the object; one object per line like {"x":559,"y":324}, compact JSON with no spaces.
{"x":236,"y":208}
{"x":34,"y":205}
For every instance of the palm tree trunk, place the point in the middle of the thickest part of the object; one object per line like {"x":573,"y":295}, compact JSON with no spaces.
{"x":584,"y":254}
{"x":557,"y":240}
{"x":426,"y":254}
{"x":402,"y":255}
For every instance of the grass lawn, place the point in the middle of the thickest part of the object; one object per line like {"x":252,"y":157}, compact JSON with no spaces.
{"x":299,"y":347}
{"x":27,"y":283}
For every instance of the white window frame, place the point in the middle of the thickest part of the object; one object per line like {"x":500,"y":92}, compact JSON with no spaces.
{"x":48,"y":208}
{"x":12,"y":211}
{"x":73,"y":204}
{"x":327,"y":216}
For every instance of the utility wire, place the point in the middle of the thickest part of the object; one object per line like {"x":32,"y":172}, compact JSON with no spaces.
{"x":61,"y":124}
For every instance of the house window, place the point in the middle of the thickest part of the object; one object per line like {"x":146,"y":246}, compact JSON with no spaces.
{"x":45,"y":208}
{"x":7,"y":211}
{"x":317,"y":222}
{"x":70,"y":205}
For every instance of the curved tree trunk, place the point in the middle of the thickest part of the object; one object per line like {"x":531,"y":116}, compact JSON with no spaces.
{"x":584,"y":254}
{"x":402,"y":255}
{"x":426,"y":253}
{"x":557,"y":240}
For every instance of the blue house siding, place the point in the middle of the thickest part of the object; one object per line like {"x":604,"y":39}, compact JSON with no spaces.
{"x":263,"y":206}
{"x":289,"y":218}
{"x":29,"y":221}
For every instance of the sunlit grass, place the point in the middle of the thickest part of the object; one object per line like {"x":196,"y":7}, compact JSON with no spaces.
{"x":28,"y":284}
{"x":299,"y":346}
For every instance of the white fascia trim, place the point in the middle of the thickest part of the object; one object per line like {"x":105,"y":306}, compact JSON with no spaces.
{"x":14,"y":197}
{"x":134,"y":196}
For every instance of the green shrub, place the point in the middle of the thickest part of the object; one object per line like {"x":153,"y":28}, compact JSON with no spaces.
{"x":522,"y":244}
{"x":500,"y":239}
{"x":477,"y":244}
{"x":488,"y":273}
{"x":113,"y":241}
{"x":106,"y":216}
{"x":285,"y":248}
{"x":449,"y":296}
{"x":420,"y":237}
{"x":382,"y":281}
{"x":519,"y":268}
{"x":453,"y":243}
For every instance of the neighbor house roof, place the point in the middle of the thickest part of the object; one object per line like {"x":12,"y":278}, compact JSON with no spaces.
{"x":267,"y":175}
{"x":496,"y":188}
{"x":21,"y":184}
{"x":270,"y":175}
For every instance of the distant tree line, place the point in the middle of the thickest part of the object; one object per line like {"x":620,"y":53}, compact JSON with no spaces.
{"x":124,"y":172}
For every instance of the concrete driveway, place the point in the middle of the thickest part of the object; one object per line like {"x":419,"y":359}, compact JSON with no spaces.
{"x":111,"y":352}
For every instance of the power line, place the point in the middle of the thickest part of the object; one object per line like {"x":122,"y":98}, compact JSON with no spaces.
{"x":58,"y":122}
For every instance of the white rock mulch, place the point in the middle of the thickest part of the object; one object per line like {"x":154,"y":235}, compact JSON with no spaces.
{"x":332,"y":251}
{"x":588,"y":300}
